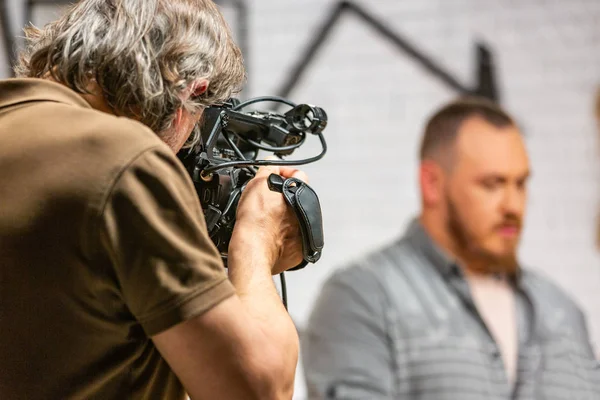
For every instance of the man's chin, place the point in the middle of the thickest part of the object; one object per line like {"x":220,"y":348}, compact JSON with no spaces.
{"x":504,"y":263}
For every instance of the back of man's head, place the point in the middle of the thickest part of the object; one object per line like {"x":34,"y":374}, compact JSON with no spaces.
{"x":143,"y":54}
{"x":444,"y":125}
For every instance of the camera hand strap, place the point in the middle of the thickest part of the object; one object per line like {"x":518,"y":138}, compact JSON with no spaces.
{"x":305,"y":203}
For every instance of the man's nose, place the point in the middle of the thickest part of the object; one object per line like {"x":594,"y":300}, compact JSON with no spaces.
{"x":513,"y":201}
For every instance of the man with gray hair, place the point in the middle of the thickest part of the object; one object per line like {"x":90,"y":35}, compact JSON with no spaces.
{"x":110,"y":287}
{"x":446,"y":312}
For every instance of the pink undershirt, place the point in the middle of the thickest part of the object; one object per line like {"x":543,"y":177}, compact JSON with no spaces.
{"x":495,"y":300}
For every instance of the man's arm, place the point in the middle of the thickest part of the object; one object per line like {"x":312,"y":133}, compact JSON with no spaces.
{"x":246,"y":347}
{"x":224,"y":339}
{"x":346,"y":351}
{"x":226,"y":354}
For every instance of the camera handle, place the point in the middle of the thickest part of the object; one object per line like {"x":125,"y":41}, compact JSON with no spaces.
{"x":305,"y":203}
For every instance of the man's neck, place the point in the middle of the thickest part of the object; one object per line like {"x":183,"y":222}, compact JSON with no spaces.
{"x":97,"y":102}
{"x":442,"y":238}
{"x":96,"y":99}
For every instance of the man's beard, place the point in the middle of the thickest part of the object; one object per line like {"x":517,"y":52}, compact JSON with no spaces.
{"x":484,"y":261}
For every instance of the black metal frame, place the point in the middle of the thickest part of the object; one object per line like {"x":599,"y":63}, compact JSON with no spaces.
{"x":7,"y":33}
{"x":486,"y":85}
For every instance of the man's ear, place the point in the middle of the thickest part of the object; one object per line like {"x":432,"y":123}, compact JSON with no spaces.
{"x":431,"y":180}
{"x":199,"y":88}
{"x":194,"y":89}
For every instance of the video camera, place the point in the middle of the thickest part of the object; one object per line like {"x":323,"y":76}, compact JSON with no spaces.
{"x":224,"y":159}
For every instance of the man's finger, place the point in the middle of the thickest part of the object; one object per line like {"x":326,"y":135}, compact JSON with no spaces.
{"x":288,"y":172}
{"x":298,"y":174}
{"x":269,"y":169}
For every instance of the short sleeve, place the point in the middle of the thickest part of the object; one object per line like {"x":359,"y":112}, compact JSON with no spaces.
{"x":153,"y":232}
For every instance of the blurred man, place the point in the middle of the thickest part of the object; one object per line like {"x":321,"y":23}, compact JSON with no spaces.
{"x":447,"y":312}
{"x":110,"y":287}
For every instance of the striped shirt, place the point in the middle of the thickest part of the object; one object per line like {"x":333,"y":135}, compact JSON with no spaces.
{"x":401,"y":323}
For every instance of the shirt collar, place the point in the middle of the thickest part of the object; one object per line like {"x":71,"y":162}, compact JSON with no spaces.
{"x":23,"y":90}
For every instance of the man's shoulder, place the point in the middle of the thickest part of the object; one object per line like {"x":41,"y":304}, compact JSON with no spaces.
{"x":548,"y":295}
{"x":373,"y":267}
{"x":542,"y":285}
{"x":96,"y":128}
{"x":100,"y":144}
{"x":32,"y":110}
{"x":60,"y":148}
{"x":397,"y":253}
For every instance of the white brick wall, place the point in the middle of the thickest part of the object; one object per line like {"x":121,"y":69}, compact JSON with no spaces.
{"x":547,"y":52}
{"x":548,"y":55}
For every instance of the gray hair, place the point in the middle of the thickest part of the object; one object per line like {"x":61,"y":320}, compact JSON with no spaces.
{"x":143,"y":54}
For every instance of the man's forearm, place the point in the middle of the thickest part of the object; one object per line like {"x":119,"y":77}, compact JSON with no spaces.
{"x":249,"y":271}
{"x":254,"y":285}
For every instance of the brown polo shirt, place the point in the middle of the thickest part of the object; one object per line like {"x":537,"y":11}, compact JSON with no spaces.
{"x":102,"y":245}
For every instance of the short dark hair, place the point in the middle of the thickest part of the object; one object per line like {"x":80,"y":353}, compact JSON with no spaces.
{"x":443,"y":127}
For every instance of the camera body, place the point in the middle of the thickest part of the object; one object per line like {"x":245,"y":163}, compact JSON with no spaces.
{"x":223,"y":160}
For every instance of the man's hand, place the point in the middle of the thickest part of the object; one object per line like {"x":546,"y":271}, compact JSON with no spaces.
{"x":265,"y":224}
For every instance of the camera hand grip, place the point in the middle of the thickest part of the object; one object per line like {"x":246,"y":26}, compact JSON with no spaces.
{"x":305,"y":203}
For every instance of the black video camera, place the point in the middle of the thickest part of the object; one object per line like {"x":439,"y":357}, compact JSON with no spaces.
{"x":224,"y":159}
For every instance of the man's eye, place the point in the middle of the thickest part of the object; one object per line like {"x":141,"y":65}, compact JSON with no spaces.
{"x":490,"y":184}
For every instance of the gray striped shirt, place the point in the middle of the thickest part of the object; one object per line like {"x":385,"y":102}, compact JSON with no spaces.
{"x":401,"y":324}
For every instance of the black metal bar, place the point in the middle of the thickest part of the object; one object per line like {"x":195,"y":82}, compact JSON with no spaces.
{"x":409,"y":49}
{"x":29,"y":12}
{"x":309,"y":54}
{"x":486,"y":83}
{"x":8,"y":36}
{"x":486,"y":74}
